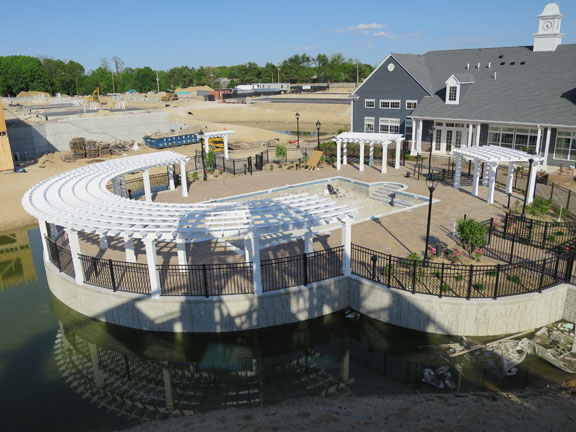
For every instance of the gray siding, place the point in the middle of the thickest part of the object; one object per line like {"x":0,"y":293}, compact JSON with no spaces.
{"x":384,"y":84}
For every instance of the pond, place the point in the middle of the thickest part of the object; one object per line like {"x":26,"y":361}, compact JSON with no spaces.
{"x":60,"y":371}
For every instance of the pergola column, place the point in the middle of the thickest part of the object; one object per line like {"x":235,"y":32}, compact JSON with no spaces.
{"x":171,"y":177}
{"x":147,"y":188}
{"x":371,"y":156}
{"x":532,"y":183}
{"x":413,"y":141}
{"x":470,"y":132}
{"x":538,"y":139}
{"x":361,"y":168}
{"x":510,"y":178}
{"x":225,"y":138}
{"x":384,"y":158}
{"x":181,"y":250}
{"x":247,"y":249}
{"x":347,"y":243}
{"x":345,"y":154}
{"x":115,"y":186}
{"x":419,"y":142}
{"x":122,"y":184}
{"x":43,"y":235}
{"x":476,"y":180}
{"x":255,"y":254}
{"x":398,"y":151}
{"x":152,"y":261}
{"x":308,"y":242}
{"x":458,"y":172}
{"x":205,"y":144}
{"x":547,"y":147}
{"x":338,"y":154}
{"x":129,"y":249}
{"x":492,"y":183}
{"x":183,"y":179}
{"x":103,"y":242}
{"x":485,"y":174}
{"x":75,"y":254}
{"x":477,"y":134}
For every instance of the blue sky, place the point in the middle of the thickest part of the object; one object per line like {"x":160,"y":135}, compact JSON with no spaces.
{"x":173,"y":33}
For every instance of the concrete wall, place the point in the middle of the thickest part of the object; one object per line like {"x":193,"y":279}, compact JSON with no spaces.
{"x":476,"y":317}
{"x":32,"y":141}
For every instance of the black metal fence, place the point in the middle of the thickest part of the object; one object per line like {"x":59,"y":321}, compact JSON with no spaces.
{"x":235,"y":166}
{"x":541,"y":234}
{"x":61,"y":257}
{"x":116,"y":275}
{"x":285,"y":272}
{"x":206,"y":279}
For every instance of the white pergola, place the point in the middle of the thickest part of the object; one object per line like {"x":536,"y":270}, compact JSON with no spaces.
{"x":372,"y":139}
{"x":220,"y":134}
{"x":492,"y":156}
{"x":79,"y":201}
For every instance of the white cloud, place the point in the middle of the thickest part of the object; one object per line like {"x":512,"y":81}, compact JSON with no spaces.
{"x":386,"y":35}
{"x":362,"y":28}
{"x":303,"y":48}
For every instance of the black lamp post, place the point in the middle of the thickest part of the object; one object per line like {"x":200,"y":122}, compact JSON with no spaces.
{"x":432,"y":183}
{"x":318,"y":124}
{"x":201,"y":136}
{"x":298,"y":128}
{"x":531,"y":161}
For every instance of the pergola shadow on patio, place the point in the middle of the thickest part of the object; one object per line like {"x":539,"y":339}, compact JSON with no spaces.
{"x":488,"y":158}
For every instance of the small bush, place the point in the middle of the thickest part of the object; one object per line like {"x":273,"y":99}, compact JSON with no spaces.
{"x":559,"y":233}
{"x":271,"y":167}
{"x":539,"y":207}
{"x":472,"y":233}
{"x":459,"y":277}
{"x":414,"y":256}
{"x":491,"y":273}
{"x":551,"y":238}
{"x":341,"y":130}
{"x":478,"y":286}
{"x":195,"y":176}
{"x":445,"y":287}
{"x":437,"y":274}
{"x":280,"y":151}
{"x":514,"y":279}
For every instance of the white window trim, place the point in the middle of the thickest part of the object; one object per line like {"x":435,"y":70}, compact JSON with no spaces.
{"x":367,"y":121}
{"x":570,"y":148}
{"x":388,"y":122}
{"x":369,"y":100}
{"x":389,"y":101}
{"x":411,"y":101}
{"x":454,"y":102}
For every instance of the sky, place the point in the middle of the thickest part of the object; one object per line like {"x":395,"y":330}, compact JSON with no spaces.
{"x":203,"y":33}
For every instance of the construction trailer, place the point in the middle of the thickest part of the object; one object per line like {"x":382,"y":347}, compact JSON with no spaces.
{"x":6,"y":161}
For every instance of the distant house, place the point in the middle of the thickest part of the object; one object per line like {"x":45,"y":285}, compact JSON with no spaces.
{"x":519,"y":97}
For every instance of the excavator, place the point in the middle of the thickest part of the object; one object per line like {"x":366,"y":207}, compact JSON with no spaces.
{"x":170,"y":96}
{"x":95,"y":95}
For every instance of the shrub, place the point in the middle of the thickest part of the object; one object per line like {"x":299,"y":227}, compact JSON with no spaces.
{"x":459,"y":277}
{"x":341,"y":130}
{"x":514,"y":278}
{"x":271,"y":167}
{"x":445,"y":287}
{"x":491,"y":273}
{"x":551,"y":238}
{"x":437,"y":274}
{"x":478,"y":286}
{"x":414,"y":256}
{"x":539,"y":207}
{"x":280,"y":151}
{"x":195,"y":176}
{"x":210,"y":160}
{"x":472,"y":233}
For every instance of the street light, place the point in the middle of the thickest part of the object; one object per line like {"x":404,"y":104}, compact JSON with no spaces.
{"x":432,"y":183}
{"x":298,"y":128}
{"x":318,"y":124}
{"x":201,"y":136}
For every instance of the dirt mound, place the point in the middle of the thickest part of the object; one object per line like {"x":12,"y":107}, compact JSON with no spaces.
{"x":194,"y":90}
{"x":33,"y":94}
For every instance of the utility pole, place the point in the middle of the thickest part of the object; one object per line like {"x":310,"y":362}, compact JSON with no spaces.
{"x":113,"y":86}
{"x":278,"y":72}
{"x":157,"y":83}
{"x":357,"y":73}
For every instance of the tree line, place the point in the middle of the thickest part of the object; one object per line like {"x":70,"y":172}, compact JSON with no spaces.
{"x":25,"y":73}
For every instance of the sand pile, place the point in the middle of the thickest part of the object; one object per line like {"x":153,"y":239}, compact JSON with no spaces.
{"x":194,"y":90}
{"x":33,"y":94}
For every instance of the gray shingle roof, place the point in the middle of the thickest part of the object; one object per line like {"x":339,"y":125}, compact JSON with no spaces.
{"x":535,"y":88}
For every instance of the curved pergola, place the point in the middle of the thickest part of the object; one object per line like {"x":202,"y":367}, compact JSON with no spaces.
{"x":79,"y":201}
{"x":372,"y":139}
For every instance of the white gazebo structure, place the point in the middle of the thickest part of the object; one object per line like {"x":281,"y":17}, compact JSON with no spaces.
{"x":79,"y":201}
{"x":219,"y":134}
{"x":491,"y":157}
{"x":372,"y":139}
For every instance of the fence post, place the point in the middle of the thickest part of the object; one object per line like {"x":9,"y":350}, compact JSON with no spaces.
{"x":94,"y":266}
{"x":414,"y":277}
{"x":506,"y":219}
{"x":57,"y":256}
{"x":512,"y":248}
{"x":470,"y":276}
{"x":389,"y":270}
{"x":112,"y":276}
{"x":469,"y":167}
{"x":490,"y":230}
{"x":441,"y":281}
{"x":305,"y":268}
{"x":568,"y":200}
{"x":234,"y":166}
{"x":498,"y":266}
{"x":542,"y":276}
{"x":544,"y":237}
{"x":530,"y":230}
{"x":569,"y":268}
{"x":552,"y":191}
{"x":205,"y":278}
{"x":374,"y":259}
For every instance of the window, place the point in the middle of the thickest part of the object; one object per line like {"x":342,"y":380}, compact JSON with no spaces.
{"x":565,"y":148}
{"x":368,"y":124}
{"x":516,"y":138}
{"x":389,"y":125}
{"x":369,"y":103}
{"x":408,"y":130}
{"x":452,"y":92}
{"x":389,"y":104}
{"x":411,"y":104}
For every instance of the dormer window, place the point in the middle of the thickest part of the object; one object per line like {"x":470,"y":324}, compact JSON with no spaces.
{"x":452,"y":93}
{"x":454,"y":87}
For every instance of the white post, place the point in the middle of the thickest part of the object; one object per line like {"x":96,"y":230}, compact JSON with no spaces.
{"x":151,"y":260}
{"x":115,"y":186}
{"x":338,"y":155}
{"x":103,"y":242}
{"x":419,"y":142}
{"x":476,"y":180}
{"x":384,"y":158}
{"x":43,"y":235}
{"x":532,"y":183}
{"x":206,"y":145}
{"x":122,"y":183}
{"x":413,"y":141}
{"x":225,"y":137}
{"x":458,"y":172}
{"x":247,"y":249}
{"x":74,"y":253}
{"x":398,"y":150}
{"x":129,"y":249}
{"x":171,"y":177}
{"x":347,"y":243}
{"x":255,"y":243}
{"x":308,"y":242}
{"x":183,"y":179}
{"x":470,"y":132}
{"x":492,"y":183}
{"x":345,"y":154}
{"x":485,"y":174}
{"x":510,"y":178}
{"x":477,"y":135}
{"x":538,"y":139}
{"x":147,"y":189}
{"x":547,"y":147}
{"x":361,"y":155}
{"x":181,"y":250}
{"x":371,"y":159}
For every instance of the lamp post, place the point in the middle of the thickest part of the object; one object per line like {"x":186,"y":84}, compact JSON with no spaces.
{"x":201,"y":136}
{"x":531,"y":161}
{"x":318,"y":124}
{"x":432,"y":183}
{"x":298,"y":128}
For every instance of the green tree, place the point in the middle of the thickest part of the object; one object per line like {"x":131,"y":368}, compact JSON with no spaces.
{"x":472,"y":233}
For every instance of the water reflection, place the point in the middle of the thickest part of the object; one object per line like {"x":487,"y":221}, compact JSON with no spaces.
{"x":156,"y":375}
{"x":16,"y":260}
